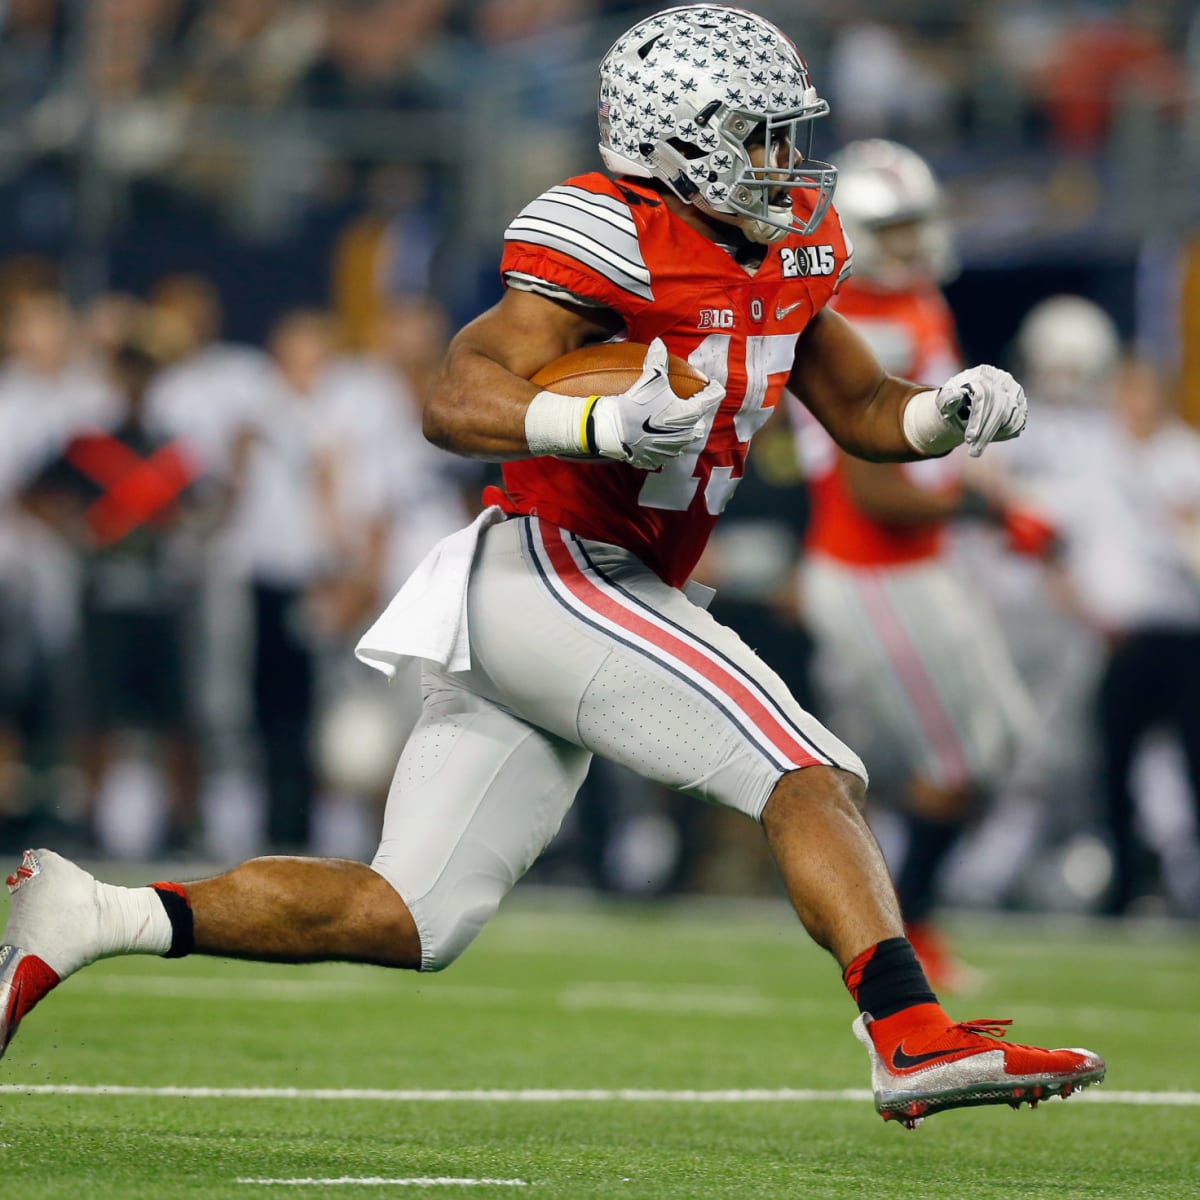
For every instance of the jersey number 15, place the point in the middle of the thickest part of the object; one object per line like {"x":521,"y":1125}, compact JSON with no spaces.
{"x":674,"y":485}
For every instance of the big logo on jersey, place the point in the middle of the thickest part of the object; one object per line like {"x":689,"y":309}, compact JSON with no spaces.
{"x":806,"y":260}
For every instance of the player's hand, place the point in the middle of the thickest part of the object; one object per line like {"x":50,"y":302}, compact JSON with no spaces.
{"x":649,"y":424}
{"x":986,"y":404}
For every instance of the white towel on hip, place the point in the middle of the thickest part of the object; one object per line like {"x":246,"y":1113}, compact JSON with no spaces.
{"x":427,"y":617}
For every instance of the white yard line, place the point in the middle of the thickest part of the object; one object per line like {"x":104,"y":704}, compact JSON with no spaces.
{"x":423,"y":1181}
{"x":542,"y":1095}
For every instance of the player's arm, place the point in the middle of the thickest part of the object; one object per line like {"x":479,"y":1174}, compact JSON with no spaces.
{"x":838,"y":378}
{"x":477,"y":404}
{"x":882,"y":418}
{"x":482,"y":404}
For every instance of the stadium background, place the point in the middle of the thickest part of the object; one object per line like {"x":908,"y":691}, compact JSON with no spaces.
{"x":362,"y":157}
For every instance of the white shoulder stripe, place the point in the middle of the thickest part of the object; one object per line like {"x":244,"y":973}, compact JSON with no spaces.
{"x":594,"y":224}
{"x":532,"y":225}
{"x":596,"y":230}
{"x":572,"y":241}
{"x":583,"y":216}
{"x":603,"y":206}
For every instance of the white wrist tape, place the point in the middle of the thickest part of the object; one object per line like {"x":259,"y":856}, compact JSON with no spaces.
{"x":556,"y":424}
{"x":926,"y":427}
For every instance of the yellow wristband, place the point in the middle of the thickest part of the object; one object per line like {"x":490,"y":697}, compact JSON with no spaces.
{"x":587,"y":434}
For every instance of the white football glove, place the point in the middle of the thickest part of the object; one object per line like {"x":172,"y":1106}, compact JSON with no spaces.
{"x":649,"y":423}
{"x":977,"y":406}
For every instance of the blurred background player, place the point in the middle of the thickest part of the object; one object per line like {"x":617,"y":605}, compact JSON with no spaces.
{"x":1067,"y":350}
{"x":207,"y":394}
{"x":306,"y":504}
{"x":1139,"y":528}
{"x":1109,"y":638}
{"x":910,"y":663}
{"x":50,"y":385}
{"x":126,"y":500}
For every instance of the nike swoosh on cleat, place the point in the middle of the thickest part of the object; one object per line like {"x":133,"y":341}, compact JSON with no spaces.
{"x":902,"y":1061}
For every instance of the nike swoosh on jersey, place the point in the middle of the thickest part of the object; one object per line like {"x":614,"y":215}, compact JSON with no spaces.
{"x":781,"y":312}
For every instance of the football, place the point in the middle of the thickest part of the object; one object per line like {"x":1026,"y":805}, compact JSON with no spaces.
{"x":610,"y":368}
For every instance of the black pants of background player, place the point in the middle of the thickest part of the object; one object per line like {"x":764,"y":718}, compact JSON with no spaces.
{"x":283,"y":710}
{"x":1151,"y":681}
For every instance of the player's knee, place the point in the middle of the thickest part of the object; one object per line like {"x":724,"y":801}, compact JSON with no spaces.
{"x":447,"y":931}
{"x":816,"y":785}
{"x":852,"y":787}
{"x":446,"y":918}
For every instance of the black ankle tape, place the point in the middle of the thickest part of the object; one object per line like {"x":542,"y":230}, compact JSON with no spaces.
{"x":892,"y":979}
{"x":179,"y":913}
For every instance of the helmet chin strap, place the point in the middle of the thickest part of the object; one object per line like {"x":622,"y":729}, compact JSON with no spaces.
{"x":760,"y":232}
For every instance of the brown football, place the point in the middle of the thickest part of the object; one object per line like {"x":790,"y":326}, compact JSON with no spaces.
{"x":609,"y":369}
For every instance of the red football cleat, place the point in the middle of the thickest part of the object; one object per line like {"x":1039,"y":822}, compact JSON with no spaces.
{"x":922,"y":1067}
{"x":24,"y":980}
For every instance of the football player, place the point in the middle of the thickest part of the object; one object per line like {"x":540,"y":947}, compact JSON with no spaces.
{"x":559,"y":624}
{"x":905,"y":647}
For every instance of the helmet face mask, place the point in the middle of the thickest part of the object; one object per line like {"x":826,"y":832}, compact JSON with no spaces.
{"x":686,"y":96}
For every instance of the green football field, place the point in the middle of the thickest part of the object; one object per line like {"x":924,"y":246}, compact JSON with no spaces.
{"x":683,"y":1051}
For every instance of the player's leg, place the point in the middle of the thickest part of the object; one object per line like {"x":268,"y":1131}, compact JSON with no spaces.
{"x":835,"y":875}
{"x":682,"y":700}
{"x":922,"y":1062}
{"x":664,"y":689}
{"x":272,"y":909}
{"x":284,"y":909}
{"x":476,"y":797}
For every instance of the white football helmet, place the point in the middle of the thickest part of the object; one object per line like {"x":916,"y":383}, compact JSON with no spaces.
{"x":1069,"y":350}
{"x":686,"y":91}
{"x":884,"y":186}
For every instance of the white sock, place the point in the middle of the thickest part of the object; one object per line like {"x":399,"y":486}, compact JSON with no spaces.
{"x":132,"y":921}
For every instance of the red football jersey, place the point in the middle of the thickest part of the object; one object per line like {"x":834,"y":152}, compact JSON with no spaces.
{"x":616,"y":244}
{"x":912,"y":334}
